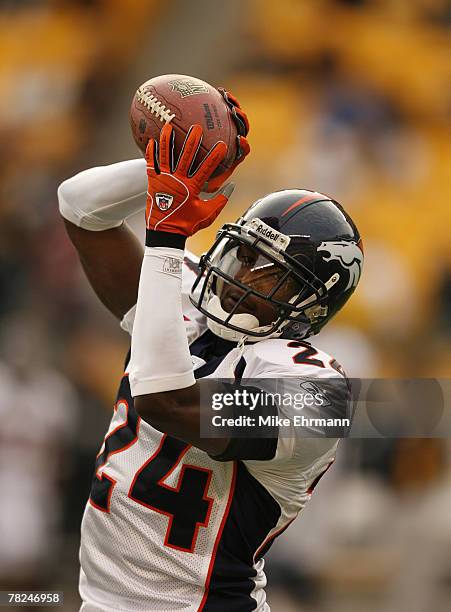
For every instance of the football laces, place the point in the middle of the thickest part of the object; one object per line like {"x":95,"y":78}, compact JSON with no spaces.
{"x":154,"y":105}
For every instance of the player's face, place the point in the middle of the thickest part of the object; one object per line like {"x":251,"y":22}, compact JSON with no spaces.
{"x":257,"y":272}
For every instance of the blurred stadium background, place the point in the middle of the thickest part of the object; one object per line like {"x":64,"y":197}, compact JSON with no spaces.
{"x":348,"y":97}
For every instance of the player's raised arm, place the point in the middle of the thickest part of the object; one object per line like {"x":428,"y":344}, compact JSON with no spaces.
{"x":161,"y":373}
{"x":94,"y":205}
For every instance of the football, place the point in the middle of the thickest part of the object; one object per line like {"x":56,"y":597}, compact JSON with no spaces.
{"x":183,"y":101}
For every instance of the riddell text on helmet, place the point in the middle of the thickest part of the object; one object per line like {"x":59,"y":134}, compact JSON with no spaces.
{"x":267,"y":232}
{"x":279,"y":239}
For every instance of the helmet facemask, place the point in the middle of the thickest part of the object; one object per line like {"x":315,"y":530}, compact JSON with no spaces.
{"x":251,"y":287}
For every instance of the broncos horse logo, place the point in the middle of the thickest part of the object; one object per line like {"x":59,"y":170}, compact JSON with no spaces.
{"x":348,"y":254}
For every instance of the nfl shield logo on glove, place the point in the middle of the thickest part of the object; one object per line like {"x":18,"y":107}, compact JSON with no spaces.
{"x":164,"y":201}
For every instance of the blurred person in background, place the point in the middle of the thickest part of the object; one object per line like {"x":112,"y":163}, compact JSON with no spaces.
{"x":39,"y":418}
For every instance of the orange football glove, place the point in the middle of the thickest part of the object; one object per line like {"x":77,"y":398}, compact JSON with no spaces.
{"x":243,"y":149}
{"x":173,"y":195}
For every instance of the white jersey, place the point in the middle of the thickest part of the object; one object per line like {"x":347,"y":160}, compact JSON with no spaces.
{"x":169,"y":528}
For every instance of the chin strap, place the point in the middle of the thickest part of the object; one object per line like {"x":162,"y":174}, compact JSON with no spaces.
{"x":243,"y":320}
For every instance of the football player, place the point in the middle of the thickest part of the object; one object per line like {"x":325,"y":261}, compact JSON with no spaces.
{"x":177,"y":521}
